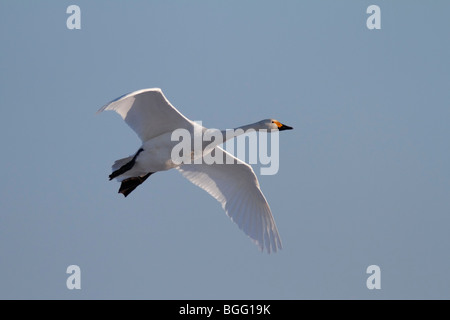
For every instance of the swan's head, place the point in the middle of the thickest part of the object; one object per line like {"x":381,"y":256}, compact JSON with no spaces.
{"x":272,"y":124}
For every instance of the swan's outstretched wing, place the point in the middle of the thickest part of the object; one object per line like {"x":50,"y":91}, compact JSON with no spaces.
{"x":148,"y":113}
{"x":236,"y":187}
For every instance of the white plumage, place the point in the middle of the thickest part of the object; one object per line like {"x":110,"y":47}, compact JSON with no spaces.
{"x":235,"y":185}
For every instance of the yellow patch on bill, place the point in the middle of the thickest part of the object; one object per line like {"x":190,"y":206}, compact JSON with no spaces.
{"x":279,"y":125}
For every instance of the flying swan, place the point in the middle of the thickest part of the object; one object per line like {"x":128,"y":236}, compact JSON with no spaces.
{"x":233,"y":183}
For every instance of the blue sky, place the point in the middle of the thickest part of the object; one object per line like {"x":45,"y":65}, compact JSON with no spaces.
{"x":363,"y":178}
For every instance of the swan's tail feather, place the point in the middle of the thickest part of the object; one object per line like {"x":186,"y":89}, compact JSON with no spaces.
{"x":121,"y":162}
{"x":123,"y":165}
{"x":128,"y":185}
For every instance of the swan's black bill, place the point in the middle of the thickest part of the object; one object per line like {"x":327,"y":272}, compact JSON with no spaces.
{"x":284,"y":127}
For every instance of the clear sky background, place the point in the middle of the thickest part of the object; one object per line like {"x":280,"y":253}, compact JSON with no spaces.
{"x":364,"y":177}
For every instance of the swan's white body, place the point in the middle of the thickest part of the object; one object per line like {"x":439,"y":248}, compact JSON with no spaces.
{"x":235,"y":185}
{"x":155,"y":157}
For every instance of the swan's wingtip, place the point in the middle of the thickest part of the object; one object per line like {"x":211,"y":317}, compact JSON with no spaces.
{"x":101,"y":109}
{"x":274,"y":248}
{"x":126,"y":95}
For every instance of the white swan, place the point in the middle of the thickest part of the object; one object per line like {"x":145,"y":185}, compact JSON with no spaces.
{"x":235,"y":186}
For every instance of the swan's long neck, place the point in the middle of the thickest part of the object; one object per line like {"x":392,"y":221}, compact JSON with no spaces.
{"x":230,"y":134}
{"x":225,"y":135}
